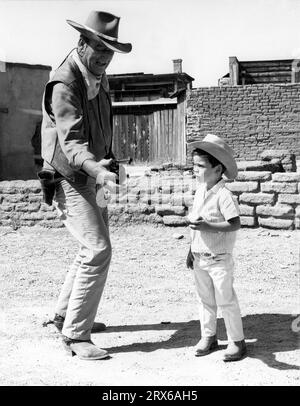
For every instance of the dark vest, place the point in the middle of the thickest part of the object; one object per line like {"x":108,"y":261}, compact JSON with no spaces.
{"x":69,"y":74}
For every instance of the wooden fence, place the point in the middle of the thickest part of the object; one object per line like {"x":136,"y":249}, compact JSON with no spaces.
{"x":150,"y":133}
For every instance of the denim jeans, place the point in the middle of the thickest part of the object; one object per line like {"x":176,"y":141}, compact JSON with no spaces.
{"x":84,"y":283}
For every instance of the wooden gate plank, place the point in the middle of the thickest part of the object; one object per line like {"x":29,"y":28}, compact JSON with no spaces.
{"x":171,"y":135}
{"x":150,"y":135}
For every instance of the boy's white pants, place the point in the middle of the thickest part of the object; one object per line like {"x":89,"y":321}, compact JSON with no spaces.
{"x":214,"y":285}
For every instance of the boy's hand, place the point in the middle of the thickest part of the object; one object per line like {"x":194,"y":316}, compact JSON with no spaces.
{"x":190,"y":219}
{"x":224,"y":226}
{"x":190,"y":260}
{"x":198,"y":225}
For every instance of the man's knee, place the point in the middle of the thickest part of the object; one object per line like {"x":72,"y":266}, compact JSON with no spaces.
{"x":225,"y":299}
{"x":103,"y":252}
{"x":99,"y":255}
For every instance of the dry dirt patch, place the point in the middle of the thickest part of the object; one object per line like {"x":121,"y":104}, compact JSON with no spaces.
{"x":149,"y":304}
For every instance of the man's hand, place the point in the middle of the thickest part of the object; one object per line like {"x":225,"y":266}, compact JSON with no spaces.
{"x":100,"y":170}
{"x":105,"y":176}
{"x":190,"y":260}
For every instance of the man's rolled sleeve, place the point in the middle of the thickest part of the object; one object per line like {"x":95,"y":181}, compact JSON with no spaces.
{"x":229,"y":206}
{"x":68,"y":116}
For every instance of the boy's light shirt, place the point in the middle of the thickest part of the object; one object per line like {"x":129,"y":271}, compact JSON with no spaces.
{"x":215,"y":205}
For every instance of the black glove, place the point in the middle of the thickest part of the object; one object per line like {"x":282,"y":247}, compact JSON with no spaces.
{"x":190,"y":260}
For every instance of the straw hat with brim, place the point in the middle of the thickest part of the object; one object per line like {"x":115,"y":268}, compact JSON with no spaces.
{"x":219,"y":149}
{"x":102,"y":27}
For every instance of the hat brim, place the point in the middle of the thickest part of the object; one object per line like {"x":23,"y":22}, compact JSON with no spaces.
{"x":220,"y":154}
{"x":113,"y":45}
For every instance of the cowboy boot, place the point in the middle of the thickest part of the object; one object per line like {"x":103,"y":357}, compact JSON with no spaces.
{"x":85,"y":350}
{"x":58,"y":321}
{"x":235,"y":351}
{"x":206,"y":345}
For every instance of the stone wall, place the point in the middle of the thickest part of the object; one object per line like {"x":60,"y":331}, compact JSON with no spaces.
{"x":266,"y":199}
{"x":251,"y":118}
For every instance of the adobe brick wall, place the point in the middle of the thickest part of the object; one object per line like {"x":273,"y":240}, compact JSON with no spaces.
{"x":251,"y":118}
{"x":266,"y":199}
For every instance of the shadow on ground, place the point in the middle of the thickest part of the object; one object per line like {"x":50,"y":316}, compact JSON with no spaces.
{"x":272,"y":333}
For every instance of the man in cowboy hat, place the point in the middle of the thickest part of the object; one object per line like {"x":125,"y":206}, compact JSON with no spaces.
{"x":214,"y":220}
{"x":77,"y":149}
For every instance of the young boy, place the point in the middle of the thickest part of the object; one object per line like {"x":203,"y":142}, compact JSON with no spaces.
{"x":214,"y":220}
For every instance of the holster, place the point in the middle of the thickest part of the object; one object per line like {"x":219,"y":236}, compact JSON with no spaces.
{"x":48,"y":185}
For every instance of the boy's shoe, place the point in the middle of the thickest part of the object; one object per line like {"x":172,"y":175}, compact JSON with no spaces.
{"x":58,"y":321}
{"x":206,"y":345}
{"x":235,"y":351}
{"x":85,"y":350}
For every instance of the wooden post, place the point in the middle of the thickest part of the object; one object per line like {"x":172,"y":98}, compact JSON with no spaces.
{"x":234,"y":70}
{"x":295,"y":71}
{"x":243,"y":77}
{"x":2,"y":66}
{"x":181,"y":128}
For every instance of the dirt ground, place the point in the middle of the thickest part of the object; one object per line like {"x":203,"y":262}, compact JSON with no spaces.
{"x":149,"y":304}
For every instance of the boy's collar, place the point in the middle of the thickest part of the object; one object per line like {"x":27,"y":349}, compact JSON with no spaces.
{"x":217,"y":186}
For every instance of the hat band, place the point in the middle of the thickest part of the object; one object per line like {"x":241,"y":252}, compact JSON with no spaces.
{"x":100,"y":34}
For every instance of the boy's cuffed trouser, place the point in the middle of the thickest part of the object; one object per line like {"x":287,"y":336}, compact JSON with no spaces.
{"x":214,"y":285}
{"x":84,"y":283}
